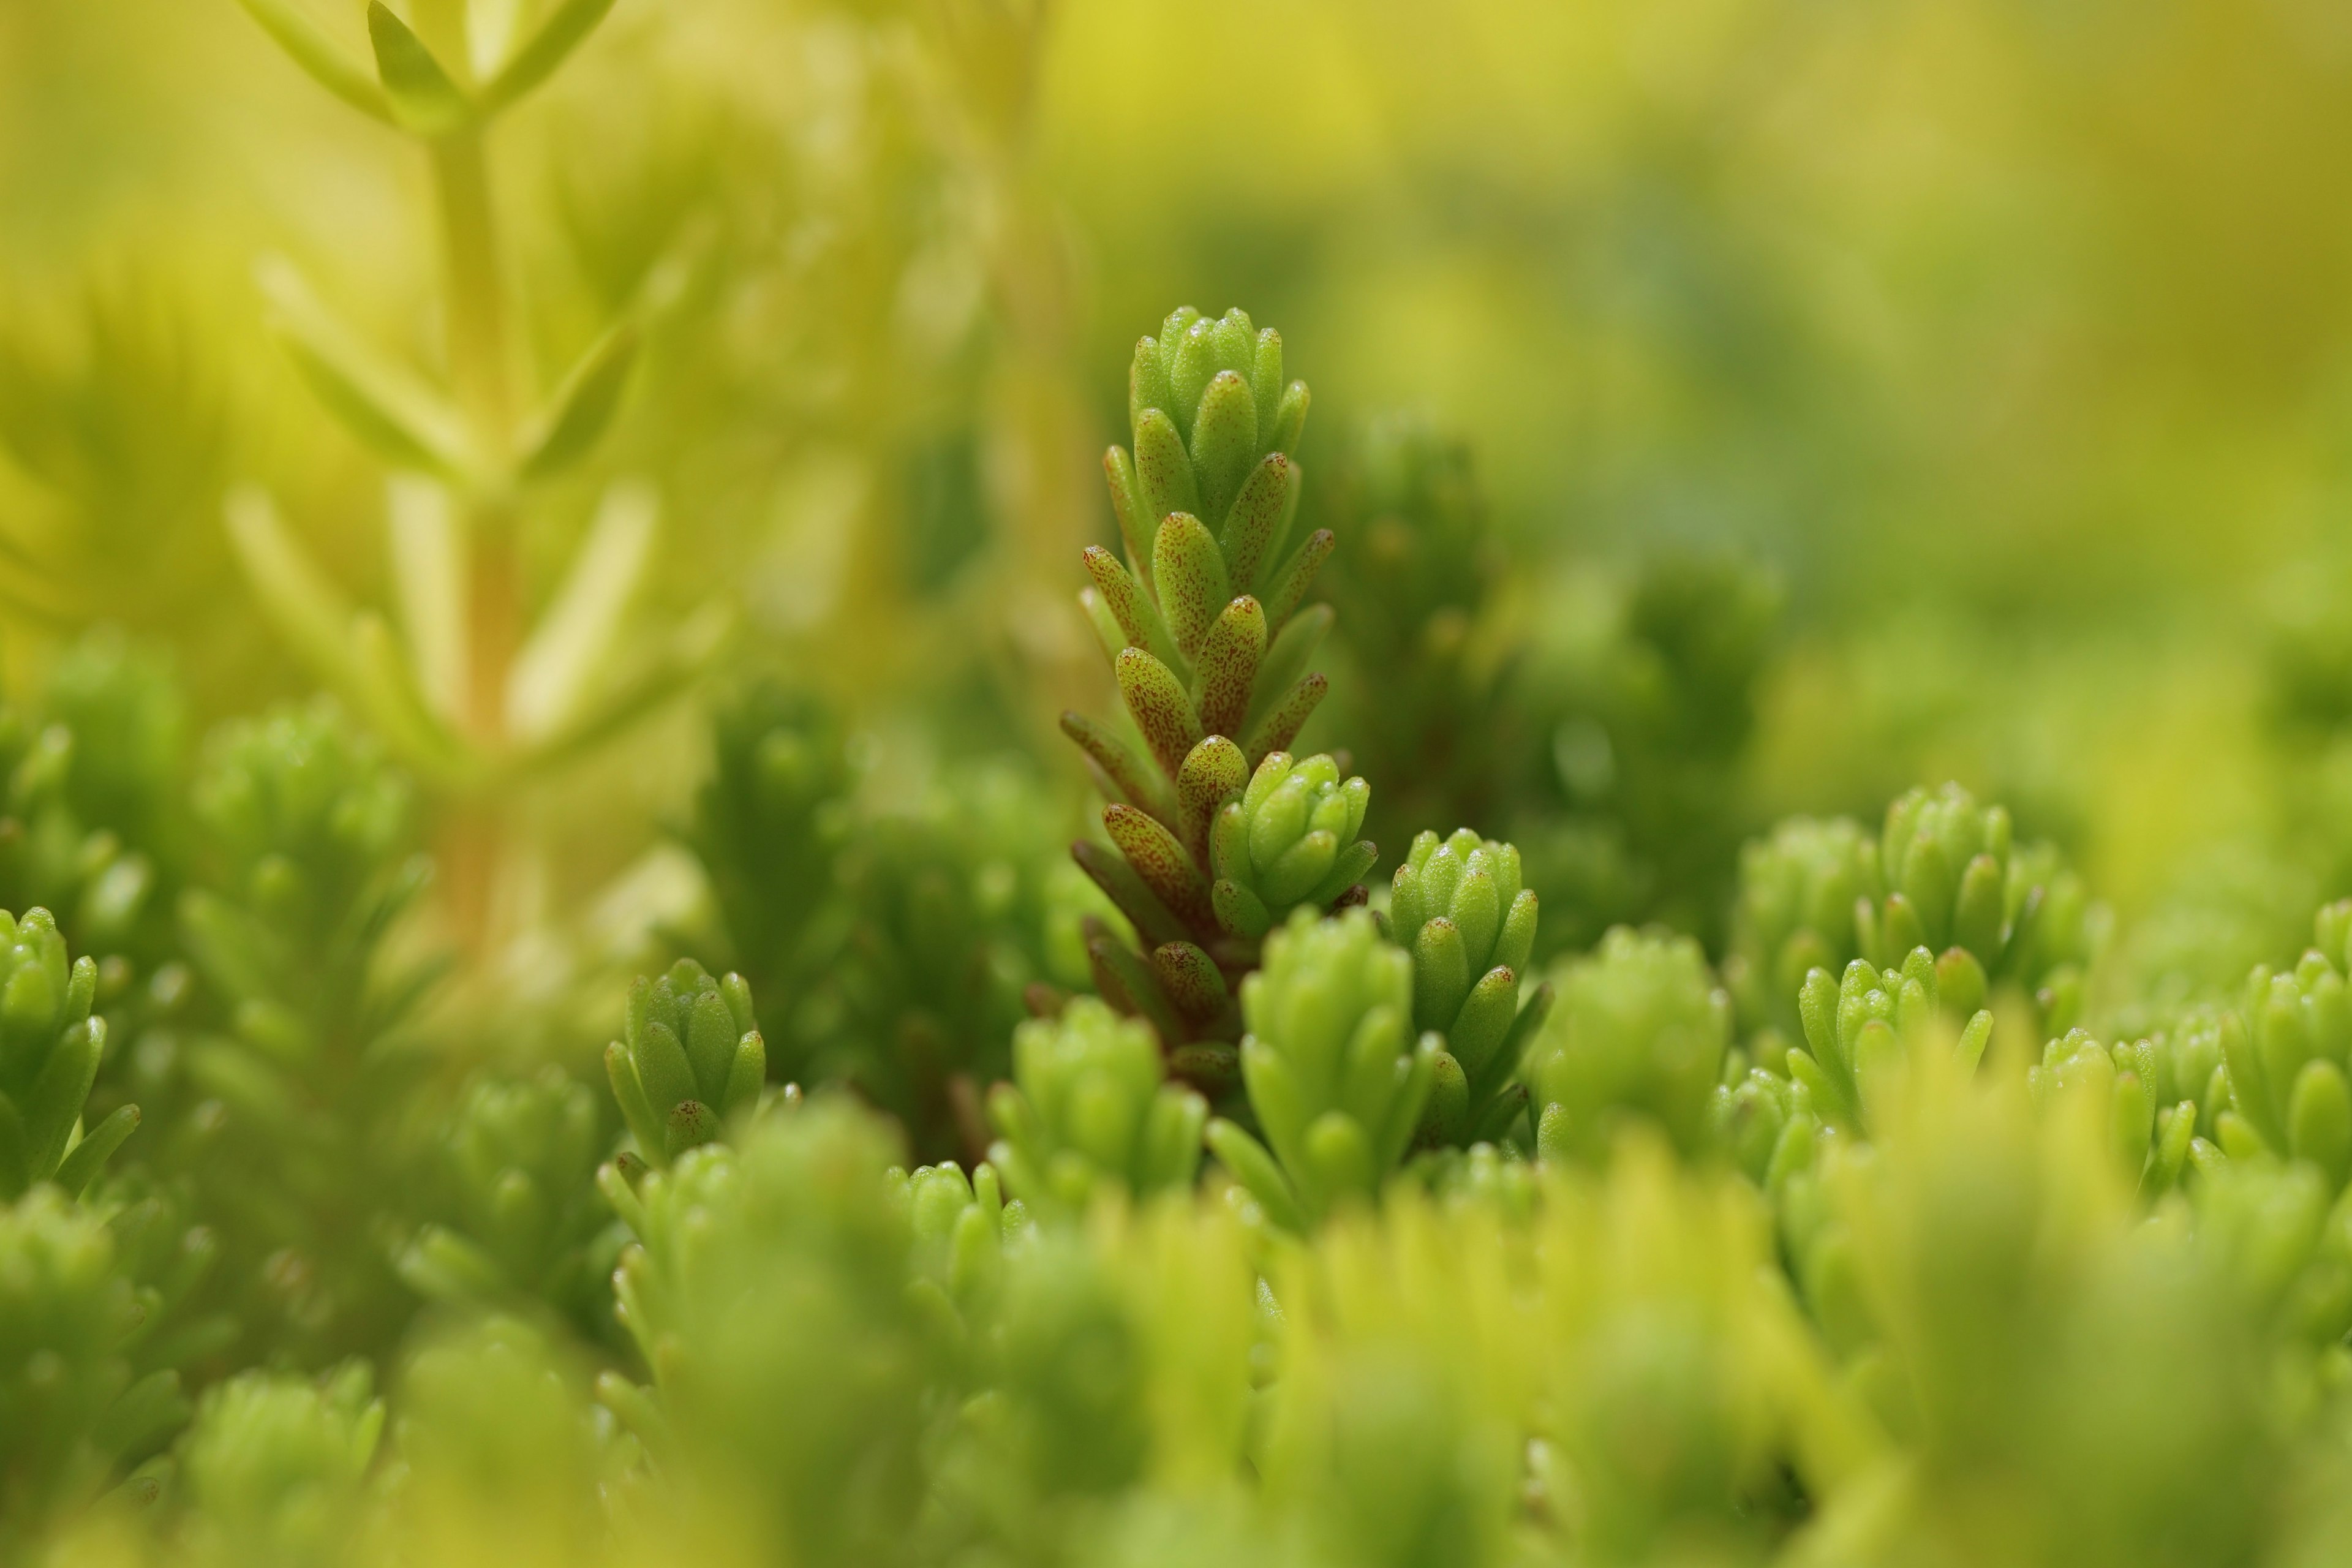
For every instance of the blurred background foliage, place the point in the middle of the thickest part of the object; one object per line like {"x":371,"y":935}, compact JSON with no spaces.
{"x":2005,"y":342}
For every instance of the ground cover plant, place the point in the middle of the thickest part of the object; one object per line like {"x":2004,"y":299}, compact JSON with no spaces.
{"x":646,"y":921}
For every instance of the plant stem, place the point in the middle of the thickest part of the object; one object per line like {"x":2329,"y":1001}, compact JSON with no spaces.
{"x":479,"y":362}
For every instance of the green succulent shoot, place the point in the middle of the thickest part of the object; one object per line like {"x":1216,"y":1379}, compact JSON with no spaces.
{"x":1799,"y":889}
{"x":2120,"y":1083}
{"x":1288,"y":842}
{"x":1334,"y":1074}
{"x":1457,"y":905}
{"x":1955,"y":882}
{"x":1090,"y":1109}
{"x":49,"y":1050}
{"x":2286,"y":1049}
{"x":1205,"y":634}
{"x":1860,"y":1027}
{"x":515,"y":1212}
{"x":1639,"y":1033}
{"x":72,"y":1405}
{"x":274,"y":1461}
{"x":691,"y":1058}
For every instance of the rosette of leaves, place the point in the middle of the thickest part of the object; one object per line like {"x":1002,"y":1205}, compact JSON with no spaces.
{"x":1336,"y":1079}
{"x":49,"y":1050}
{"x":1955,"y":882}
{"x":1457,"y":905}
{"x":1280,"y":846}
{"x":1638,"y":1032}
{"x":1091,"y":1108}
{"x":72,"y":1408}
{"x":959,"y":1224}
{"x":690,"y":1060}
{"x":1860,"y":1028}
{"x":509,"y":1175}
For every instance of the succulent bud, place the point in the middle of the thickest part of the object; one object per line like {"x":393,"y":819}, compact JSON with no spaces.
{"x":1333,"y":1072}
{"x":691,"y":1059}
{"x":1953,"y":878}
{"x":1090,"y":1107}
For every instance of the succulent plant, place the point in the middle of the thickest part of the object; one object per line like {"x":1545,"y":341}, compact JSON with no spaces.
{"x":1335,"y":1076}
{"x":1457,"y":905}
{"x":1091,"y":1108}
{"x":49,"y":1049}
{"x":690,"y":1059}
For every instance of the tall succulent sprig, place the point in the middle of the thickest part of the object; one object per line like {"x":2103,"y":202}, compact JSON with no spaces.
{"x":464,"y":693}
{"x":1219,"y":831}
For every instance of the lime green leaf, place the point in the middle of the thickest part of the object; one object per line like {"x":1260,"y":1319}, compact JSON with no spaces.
{"x":424,"y":98}
{"x":582,"y":406}
{"x":383,"y":403}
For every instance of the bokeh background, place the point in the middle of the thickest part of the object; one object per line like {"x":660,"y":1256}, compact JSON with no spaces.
{"x":1860,"y":395}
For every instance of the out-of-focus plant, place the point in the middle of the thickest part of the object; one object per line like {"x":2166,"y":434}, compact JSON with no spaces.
{"x":514,"y":1217}
{"x":1089,"y":1108}
{"x":274,"y":1465}
{"x":468,"y":692}
{"x":1417,"y":570}
{"x":74,"y":1408}
{"x":1638,"y":1033}
{"x":289,"y":1116}
{"x":1633,"y":704}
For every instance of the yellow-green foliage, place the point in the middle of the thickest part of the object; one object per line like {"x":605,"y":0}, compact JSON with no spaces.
{"x":565,"y":996}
